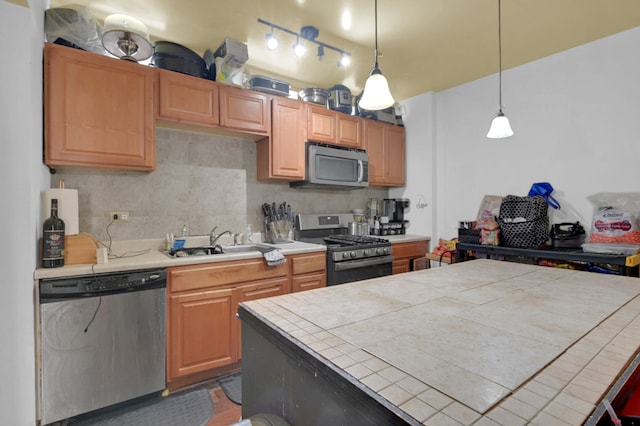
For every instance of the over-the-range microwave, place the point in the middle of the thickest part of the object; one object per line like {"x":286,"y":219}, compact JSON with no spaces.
{"x":334,"y":167}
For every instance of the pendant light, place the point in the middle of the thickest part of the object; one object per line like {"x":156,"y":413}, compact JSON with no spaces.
{"x":376,"y":93}
{"x":500,"y":127}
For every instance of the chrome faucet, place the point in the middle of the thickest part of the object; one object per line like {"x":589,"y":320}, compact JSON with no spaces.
{"x":213,"y":237}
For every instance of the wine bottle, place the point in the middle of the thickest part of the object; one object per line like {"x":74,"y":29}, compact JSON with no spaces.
{"x":53,"y":239}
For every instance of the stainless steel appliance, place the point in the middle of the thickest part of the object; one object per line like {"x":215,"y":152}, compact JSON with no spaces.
{"x":349,"y":257}
{"x":394,"y":209}
{"x":335,"y":167}
{"x":102,"y":341}
{"x":340,"y":99}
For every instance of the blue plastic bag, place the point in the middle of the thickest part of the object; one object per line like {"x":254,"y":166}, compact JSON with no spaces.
{"x":544,"y":189}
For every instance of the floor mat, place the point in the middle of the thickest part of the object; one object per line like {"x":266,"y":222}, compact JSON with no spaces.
{"x":188,"y":408}
{"x":232,"y":387}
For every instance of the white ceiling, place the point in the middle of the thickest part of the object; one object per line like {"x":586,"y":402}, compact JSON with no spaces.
{"x":426,"y":45}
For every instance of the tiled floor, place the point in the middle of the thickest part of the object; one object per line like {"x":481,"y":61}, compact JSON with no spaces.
{"x":225,"y":412}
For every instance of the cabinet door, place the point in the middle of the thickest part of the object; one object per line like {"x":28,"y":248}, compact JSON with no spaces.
{"x":98,"y":111}
{"x":201,"y":332}
{"x":282,"y":155}
{"x":244,"y":110}
{"x":400,"y":266}
{"x":374,"y":137}
{"x":186,"y":99}
{"x":254,"y":291}
{"x":405,"y":253}
{"x":349,"y":130}
{"x":321,"y":124}
{"x":395,"y":147}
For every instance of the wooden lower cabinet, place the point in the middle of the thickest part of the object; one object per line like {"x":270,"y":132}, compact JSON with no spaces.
{"x":308,"y":271}
{"x":405,"y":253}
{"x":200,"y":334}
{"x":203,"y":332}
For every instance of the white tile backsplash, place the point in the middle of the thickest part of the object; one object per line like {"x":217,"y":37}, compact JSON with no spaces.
{"x":201,"y":180}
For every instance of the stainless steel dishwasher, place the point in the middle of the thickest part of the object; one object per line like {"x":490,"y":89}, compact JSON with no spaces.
{"x":102,"y":341}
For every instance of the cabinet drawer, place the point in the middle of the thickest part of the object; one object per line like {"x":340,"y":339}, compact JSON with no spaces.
{"x":308,"y":281}
{"x":191,"y":277}
{"x":304,"y":263}
{"x":412,"y":249}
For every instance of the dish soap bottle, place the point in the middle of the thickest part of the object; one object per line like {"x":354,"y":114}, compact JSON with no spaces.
{"x":248,"y":235}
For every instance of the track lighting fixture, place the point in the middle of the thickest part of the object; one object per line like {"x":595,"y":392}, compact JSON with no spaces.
{"x":298,"y":48}
{"x":307,"y":34}
{"x":272,"y":41}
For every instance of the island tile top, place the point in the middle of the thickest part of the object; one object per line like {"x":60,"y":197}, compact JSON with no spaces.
{"x":506,"y":342}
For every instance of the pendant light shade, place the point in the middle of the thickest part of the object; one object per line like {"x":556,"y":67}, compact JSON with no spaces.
{"x":500,"y":127}
{"x":376,"y":95}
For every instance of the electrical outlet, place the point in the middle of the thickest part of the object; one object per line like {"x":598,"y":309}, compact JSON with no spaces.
{"x":119,"y":216}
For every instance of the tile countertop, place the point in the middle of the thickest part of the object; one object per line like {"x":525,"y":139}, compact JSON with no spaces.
{"x":480,"y":342}
{"x":408,"y":238}
{"x":147,"y":254}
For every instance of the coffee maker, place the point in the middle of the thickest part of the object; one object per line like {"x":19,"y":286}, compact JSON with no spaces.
{"x":393,"y":209}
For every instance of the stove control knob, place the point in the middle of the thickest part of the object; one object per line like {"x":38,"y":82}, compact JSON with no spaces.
{"x":366,"y":252}
{"x":345,"y":255}
{"x":380,"y":250}
{"x":387,"y":250}
{"x":353,"y":254}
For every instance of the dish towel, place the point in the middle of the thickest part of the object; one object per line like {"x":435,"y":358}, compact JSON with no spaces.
{"x":272,"y":256}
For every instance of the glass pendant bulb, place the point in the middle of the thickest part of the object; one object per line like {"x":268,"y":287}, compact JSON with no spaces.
{"x":376,"y":95}
{"x":500,"y":127}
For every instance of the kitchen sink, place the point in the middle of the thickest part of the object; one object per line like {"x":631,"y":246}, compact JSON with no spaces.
{"x":194,"y":251}
{"x":211,"y":250}
{"x":244,"y":248}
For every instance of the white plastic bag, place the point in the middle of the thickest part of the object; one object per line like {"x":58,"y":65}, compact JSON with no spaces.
{"x":616,"y":217}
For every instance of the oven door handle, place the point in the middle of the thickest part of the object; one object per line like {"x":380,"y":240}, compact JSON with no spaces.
{"x":355,"y":264}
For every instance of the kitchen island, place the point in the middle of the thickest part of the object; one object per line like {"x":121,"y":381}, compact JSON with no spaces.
{"x":480,"y":342}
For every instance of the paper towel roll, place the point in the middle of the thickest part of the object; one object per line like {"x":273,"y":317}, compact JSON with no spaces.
{"x":67,"y":207}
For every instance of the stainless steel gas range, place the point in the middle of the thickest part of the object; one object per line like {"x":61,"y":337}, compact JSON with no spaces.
{"x":349,"y":257}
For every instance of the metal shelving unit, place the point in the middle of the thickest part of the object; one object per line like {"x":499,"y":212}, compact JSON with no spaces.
{"x":628,"y":265}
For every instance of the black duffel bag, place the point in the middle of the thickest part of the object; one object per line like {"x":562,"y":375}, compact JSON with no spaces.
{"x":524,"y":221}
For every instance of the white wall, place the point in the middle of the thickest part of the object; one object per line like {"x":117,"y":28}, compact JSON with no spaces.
{"x":576,"y":118}
{"x":22,"y":176}
{"x":420,"y":135}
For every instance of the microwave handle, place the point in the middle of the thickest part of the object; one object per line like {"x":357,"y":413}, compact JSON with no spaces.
{"x":360,"y":170}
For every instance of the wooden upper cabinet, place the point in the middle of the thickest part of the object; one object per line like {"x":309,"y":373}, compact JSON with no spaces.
{"x":396,"y":156}
{"x":98,"y":111}
{"x":333,"y":127}
{"x":350,"y":130}
{"x":244,"y":110}
{"x":282,"y":157}
{"x":321,"y":124}
{"x":374,"y":137}
{"x":385,"y":144}
{"x":186,"y":99}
